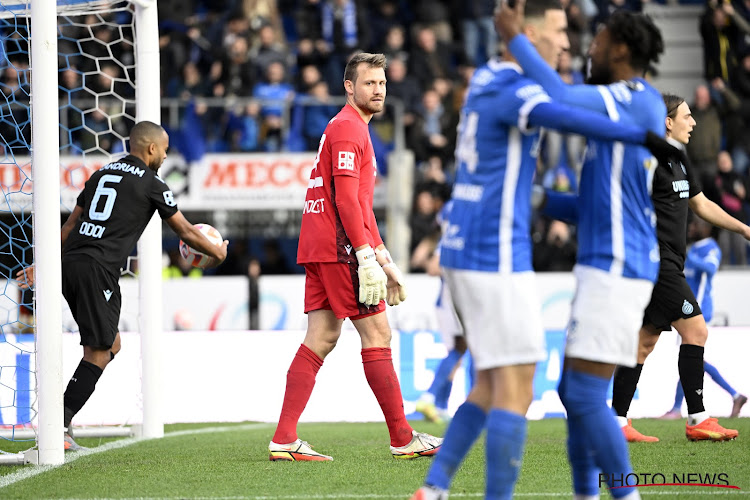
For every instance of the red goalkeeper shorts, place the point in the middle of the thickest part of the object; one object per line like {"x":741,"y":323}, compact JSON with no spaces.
{"x":335,"y":286}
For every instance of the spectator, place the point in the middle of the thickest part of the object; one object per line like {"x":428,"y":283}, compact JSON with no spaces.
{"x":434,"y":15}
{"x":403,"y":87}
{"x":238,"y":71}
{"x":430,"y":59}
{"x":274,"y":93}
{"x":705,"y":140}
{"x":720,"y":38}
{"x":244,"y":128}
{"x":395,"y":43}
{"x":345,"y":29}
{"x":557,"y":250}
{"x":384,"y":16}
{"x":423,"y":222}
{"x":261,"y":14}
{"x":732,"y":198}
{"x":317,"y":110}
{"x":267,"y":49}
{"x":274,"y":260}
{"x":433,"y":133}
{"x":478,"y":30}
{"x":307,"y":76}
{"x":190,"y":84}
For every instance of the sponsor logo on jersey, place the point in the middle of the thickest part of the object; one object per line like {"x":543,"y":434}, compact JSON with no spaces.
{"x":687,"y":307}
{"x":468,"y":192}
{"x":346,"y":160}
{"x":107,"y":294}
{"x":450,"y":240}
{"x":93,"y":230}
{"x":528,"y":91}
{"x":314,"y":206}
{"x":125,"y":167}
{"x":682,"y":187}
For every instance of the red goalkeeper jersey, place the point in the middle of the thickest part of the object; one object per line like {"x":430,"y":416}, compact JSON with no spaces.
{"x":345,"y":149}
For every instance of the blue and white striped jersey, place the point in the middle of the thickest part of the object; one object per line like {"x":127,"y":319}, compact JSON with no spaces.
{"x":617,"y":222}
{"x":702,"y":262}
{"x":489,"y":227}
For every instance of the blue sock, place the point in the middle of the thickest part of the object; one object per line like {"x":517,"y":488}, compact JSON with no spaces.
{"x":711,"y":370}
{"x":583,"y":469}
{"x":585,"y":399}
{"x":506,"y":436}
{"x":679,"y":395}
{"x":443,"y":372}
{"x":464,"y":429}
{"x":443,"y":394}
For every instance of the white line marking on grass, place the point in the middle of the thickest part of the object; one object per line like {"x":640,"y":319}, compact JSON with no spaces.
{"x":336,"y":496}
{"x":27,"y":473}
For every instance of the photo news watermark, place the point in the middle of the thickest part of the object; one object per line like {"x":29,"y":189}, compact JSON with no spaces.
{"x":645,"y":479}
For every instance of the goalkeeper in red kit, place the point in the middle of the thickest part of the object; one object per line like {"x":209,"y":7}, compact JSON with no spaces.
{"x":348,"y":271}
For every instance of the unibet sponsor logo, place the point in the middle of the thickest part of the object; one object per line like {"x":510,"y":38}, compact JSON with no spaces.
{"x":682,"y":187}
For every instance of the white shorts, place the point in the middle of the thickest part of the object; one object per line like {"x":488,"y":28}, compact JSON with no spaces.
{"x":448,"y":323}
{"x":501,"y":316}
{"x":606,"y":316}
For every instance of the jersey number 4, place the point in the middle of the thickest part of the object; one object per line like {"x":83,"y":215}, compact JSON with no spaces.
{"x":466,"y":150}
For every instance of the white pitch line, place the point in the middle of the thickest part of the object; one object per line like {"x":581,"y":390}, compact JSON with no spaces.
{"x":364,"y":496}
{"x":27,"y":473}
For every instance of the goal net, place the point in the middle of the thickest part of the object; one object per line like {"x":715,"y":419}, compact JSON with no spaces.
{"x":98,"y":104}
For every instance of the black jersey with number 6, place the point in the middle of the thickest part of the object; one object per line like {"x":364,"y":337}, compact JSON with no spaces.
{"x":673,"y":186}
{"x":118,"y":201}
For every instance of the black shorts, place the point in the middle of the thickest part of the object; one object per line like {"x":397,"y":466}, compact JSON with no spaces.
{"x":672,"y":299}
{"x":93,"y":295}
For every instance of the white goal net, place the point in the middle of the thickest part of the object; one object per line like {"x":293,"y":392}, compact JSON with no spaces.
{"x":97,"y":96}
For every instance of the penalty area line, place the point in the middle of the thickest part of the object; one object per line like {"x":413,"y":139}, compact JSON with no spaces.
{"x":30,"y":472}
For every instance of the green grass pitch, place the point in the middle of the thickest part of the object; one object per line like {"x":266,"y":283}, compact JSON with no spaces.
{"x":230,"y":461}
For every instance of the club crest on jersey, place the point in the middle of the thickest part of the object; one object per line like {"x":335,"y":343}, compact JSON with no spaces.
{"x":346,"y":160}
{"x":687,"y":307}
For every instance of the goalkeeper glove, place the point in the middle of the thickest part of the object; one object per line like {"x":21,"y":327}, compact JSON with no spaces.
{"x":397,"y":292}
{"x":372,"y":278}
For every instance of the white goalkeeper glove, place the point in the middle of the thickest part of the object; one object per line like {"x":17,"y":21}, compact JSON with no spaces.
{"x":372,"y":278}
{"x":396,"y":284}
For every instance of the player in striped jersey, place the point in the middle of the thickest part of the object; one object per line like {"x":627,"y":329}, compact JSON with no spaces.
{"x":486,"y":249}
{"x":618,"y":253}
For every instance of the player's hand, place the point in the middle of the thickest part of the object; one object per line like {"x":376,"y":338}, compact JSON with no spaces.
{"x":396,"y":285}
{"x":509,"y":18}
{"x":215,"y":261}
{"x":25,"y":278}
{"x":372,"y":278}
{"x":660,"y":148}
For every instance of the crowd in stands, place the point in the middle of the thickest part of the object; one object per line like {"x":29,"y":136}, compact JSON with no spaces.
{"x":266,"y":75}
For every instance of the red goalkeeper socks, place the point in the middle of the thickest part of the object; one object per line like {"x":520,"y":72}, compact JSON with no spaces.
{"x":300,"y":380}
{"x":384,"y":384}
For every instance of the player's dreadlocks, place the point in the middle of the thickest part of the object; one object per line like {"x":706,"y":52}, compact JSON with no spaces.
{"x":640,"y":34}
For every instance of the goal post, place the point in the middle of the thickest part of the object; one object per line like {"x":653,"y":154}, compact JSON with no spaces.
{"x":37,"y":27}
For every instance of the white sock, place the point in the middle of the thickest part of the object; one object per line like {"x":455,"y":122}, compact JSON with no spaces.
{"x":585,"y":497}
{"x":622,"y":421}
{"x":633,"y":495}
{"x":697,"y":418}
{"x":427,"y":397}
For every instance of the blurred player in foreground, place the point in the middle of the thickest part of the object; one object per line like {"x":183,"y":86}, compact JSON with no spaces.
{"x":348,"y":271}
{"x":701,"y":264}
{"x":618,"y":252}
{"x":110,"y":215}
{"x":673,"y":303}
{"x":486,"y":251}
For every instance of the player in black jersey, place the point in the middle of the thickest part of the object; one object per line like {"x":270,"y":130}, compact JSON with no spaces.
{"x":111,"y":213}
{"x":672,"y":301}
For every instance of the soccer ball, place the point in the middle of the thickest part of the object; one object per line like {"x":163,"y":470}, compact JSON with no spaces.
{"x":194,"y":257}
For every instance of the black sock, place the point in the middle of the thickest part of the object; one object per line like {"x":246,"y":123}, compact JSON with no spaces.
{"x":690,"y":366}
{"x":623,"y":387}
{"x":80,"y":388}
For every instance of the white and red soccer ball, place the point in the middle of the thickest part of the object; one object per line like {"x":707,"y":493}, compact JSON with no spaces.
{"x":194,"y":257}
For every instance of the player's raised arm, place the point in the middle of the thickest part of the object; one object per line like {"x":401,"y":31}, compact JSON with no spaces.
{"x":195,"y":239}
